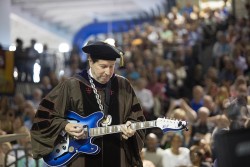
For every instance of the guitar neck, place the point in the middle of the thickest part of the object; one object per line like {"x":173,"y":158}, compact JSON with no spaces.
{"x":100,"y":131}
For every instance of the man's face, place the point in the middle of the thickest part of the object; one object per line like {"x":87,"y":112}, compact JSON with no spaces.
{"x":102,"y":70}
{"x":176,"y":142}
{"x":152,"y":142}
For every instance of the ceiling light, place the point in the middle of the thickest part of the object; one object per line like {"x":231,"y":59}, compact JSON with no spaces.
{"x":38,"y":47}
{"x":63,"y":47}
{"x":12,"y":48}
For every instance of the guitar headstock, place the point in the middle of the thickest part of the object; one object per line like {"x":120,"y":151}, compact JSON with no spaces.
{"x":171,"y":124}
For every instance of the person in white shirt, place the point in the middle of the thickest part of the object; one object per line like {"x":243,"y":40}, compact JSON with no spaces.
{"x":145,"y":162}
{"x":145,"y":97}
{"x":176,"y":156}
{"x":152,"y":151}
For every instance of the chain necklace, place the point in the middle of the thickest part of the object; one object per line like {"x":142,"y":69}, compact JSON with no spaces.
{"x":97,"y":96}
{"x":107,"y":119}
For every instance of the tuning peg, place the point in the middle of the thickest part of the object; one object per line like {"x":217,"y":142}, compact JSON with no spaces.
{"x":180,"y":124}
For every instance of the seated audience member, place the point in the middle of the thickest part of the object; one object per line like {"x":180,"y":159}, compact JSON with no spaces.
{"x":180,"y":106}
{"x":17,"y":123}
{"x":220,"y":121}
{"x":2,"y":132}
{"x":45,"y":86}
{"x":197,"y":99}
{"x":240,"y":80}
{"x":36,"y":98}
{"x":28,"y":113}
{"x":187,"y":137}
{"x":176,"y":155}
{"x":22,"y":143}
{"x":197,"y":157}
{"x":152,"y":151}
{"x":145,"y":97}
{"x":4,"y":105}
{"x":237,"y":112}
{"x":222,"y":96}
{"x":211,"y":105}
{"x":18,"y":101}
{"x":178,"y":114}
{"x":22,"y":150}
{"x":4,"y":149}
{"x":207,"y":151}
{"x":145,"y":162}
{"x":202,"y":129}
{"x":28,"y":159}
{"x":166,"y":140}
{"x":184,"y":113}
{"x":6,"y":121}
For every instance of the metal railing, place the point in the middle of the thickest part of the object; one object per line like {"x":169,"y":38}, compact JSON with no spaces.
{"x":27,"y":157}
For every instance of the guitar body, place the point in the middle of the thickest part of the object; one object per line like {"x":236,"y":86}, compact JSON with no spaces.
{"x":67,"y":148}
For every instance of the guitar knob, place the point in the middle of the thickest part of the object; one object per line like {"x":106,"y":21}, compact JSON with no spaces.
{"x":57,"y":150}
{"x":64,"y":147}
{"x":71,"y":149}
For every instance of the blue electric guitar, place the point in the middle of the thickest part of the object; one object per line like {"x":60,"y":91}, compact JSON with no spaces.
{"x":67,"y":148}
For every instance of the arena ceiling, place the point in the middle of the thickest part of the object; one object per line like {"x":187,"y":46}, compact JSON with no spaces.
{"x":56,"y":21}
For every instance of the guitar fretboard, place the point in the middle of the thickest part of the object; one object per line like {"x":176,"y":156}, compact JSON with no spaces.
{"x":100,"y":131}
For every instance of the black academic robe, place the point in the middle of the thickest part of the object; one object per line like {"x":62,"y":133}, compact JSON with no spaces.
{"x":77,"y":95}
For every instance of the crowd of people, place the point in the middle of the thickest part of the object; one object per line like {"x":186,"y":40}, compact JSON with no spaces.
{"x":190,"y":65}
